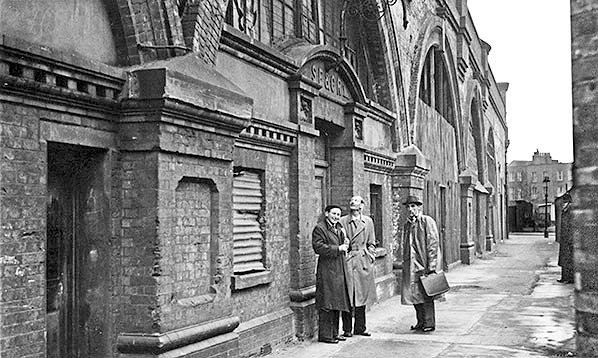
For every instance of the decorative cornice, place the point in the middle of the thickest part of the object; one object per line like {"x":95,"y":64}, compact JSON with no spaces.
{"x":24,"y":73}
{"x":267,"y":135}
{"x":378,"y":162}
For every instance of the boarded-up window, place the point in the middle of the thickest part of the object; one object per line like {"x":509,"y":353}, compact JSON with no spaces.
{"x":248,"y":239}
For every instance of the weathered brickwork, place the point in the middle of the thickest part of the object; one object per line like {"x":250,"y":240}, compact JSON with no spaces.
{"x":584,"y":32}
{"x":272,"y":296}
{"x":23,"y":235}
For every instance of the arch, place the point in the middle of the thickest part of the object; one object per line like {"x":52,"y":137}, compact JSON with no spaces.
{"x":474,"y":118}
{"x":433,"y":37}
{"x":491,"y":158}
{"x":302,"y":54}
{"x":400,"y":131}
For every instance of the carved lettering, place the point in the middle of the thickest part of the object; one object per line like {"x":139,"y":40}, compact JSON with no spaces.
{"x":330,"y":80}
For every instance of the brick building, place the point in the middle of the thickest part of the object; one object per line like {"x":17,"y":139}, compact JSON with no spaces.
{"x":526,"y":178}
{"x":584,"y":33}
{"x":164,"y":162}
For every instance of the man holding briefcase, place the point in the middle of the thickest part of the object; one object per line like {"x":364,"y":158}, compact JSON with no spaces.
{"x":421,"y":257}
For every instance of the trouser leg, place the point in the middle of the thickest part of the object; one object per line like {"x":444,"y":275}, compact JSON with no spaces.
{"x":334,"y":323}
{"x":359,"y":314}
{"x":347,"y":320}
{"x":419,"y":314}
{"x":325,"y":329}
{"x":429,"y":313}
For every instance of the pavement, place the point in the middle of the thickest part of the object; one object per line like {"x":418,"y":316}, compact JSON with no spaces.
{"x":508,"y":303}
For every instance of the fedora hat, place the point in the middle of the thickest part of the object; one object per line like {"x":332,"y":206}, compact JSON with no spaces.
{"x":412,"y":199}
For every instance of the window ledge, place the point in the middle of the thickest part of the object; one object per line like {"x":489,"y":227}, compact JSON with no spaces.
{"x":381,"y":252}
{"x":241,"y":282}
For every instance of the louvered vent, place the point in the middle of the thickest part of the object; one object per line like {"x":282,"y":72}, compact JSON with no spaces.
{"x":247,"y":233}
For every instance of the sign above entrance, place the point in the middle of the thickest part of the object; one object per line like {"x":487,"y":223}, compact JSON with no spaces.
{"x":330,"y":80}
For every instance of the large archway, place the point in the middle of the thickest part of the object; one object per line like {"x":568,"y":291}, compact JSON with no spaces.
{"x":436,"y":131}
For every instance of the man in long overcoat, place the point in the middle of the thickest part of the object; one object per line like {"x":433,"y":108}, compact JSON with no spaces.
{"x":565,"y":240}
{"x":360,"y":267}
{"x":328,"y":242}
{"x":420,"y":257}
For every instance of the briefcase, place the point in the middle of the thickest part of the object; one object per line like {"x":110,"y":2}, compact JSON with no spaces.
{"x":435,"y":284}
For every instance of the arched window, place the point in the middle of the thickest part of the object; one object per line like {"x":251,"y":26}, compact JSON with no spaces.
{"x":434,"y":88}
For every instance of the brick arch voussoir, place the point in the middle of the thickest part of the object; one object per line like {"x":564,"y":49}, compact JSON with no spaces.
{"x":202,"y":25}
{"x":151,"y":23}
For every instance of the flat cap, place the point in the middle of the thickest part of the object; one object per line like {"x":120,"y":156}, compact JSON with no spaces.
{"x":412,"y":199}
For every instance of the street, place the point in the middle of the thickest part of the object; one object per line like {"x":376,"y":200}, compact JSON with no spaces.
{"x":507,"y":304}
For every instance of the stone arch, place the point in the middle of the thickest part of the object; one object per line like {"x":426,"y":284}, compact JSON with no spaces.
{"x":400,"y":135}
{"x":330,"y":55}
{"x":475,"y":118}
{"x":433,"y":37}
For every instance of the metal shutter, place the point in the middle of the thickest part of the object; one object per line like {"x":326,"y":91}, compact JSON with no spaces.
{"x":247,"y":234}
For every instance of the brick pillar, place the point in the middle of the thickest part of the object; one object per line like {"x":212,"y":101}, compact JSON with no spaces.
{"x":490,"y":205}
{"x":177,"y":210}
{"x":411,"y":168}
{"x":346,"y":162}
{"x":303,"y":213}
{"x":467,"y":246}
{"x":584,"y":34}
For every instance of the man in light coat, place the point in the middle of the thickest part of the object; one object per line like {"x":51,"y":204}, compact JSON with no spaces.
{"x":328,"y":242}
{"x":420,"y":257}
{"x":360,"y":267}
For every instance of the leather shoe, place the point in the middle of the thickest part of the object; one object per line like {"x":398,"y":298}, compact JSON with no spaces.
{"x":348,"y":334}
{"x":367,"y":334}
{"x":428,"y":329}
{"x":328,"y":340}
{"x":416,"y":327}
{"x":340,"y":338}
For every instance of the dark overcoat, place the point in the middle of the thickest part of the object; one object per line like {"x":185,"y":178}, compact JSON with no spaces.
{"x":421,"y":255}
{"x":566,"y":239}
{"x":360,"y":260}
{"x":331,"y":285}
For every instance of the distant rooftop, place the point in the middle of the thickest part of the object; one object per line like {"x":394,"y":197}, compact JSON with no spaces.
{"x":538,"y":158}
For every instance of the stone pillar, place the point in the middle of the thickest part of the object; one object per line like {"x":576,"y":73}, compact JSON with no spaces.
{"x":411,"y":168}
{"x":490,"y":211}
{"x":584,"y":34}
{"x":467,"y":246}
{"x":303,"y":215}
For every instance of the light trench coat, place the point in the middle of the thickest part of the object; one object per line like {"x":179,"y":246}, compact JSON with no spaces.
{"x":360,"y":261}
{"x":421,"y":254}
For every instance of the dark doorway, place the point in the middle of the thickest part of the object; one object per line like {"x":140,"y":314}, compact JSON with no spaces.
{"x":376,"y":212}
{"x":443,"y":227}
{"x":77,"y":256}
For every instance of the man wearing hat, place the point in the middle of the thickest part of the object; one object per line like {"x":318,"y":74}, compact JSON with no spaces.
{"x":420,"y":257}
{"x":328,"y":241}
{"x":360,"y":267}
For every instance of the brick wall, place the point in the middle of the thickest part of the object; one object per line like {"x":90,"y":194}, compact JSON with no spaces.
{"x":23,"y":160}
{"x":259,"y":300}
{"x":584,"y":33}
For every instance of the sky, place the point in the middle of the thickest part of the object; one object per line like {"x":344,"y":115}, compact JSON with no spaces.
{"x":531,"y":50}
